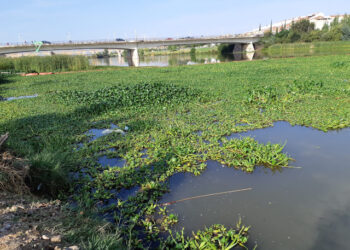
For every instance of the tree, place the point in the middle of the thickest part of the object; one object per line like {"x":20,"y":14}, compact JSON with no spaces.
{"x":271,"y":27}
{"x":325,"y":28}
{"x":335,"y":22}
{"x":105,"y":53}
{"x":282,"y":36}
{"x":293,"y":36}
{"x":303,"y":26}
{"x":172,"y":47}
{"x":346,"y":32}
{"x":193,"y":54}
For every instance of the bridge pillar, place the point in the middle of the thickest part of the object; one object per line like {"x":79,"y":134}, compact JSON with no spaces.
{"x":237,"y":51}
{"x":132,"y":56}
{"x":240,"y":48}
{"x":119,"y":52}
{"x":249,"y":47}
{"x":237,"y":48}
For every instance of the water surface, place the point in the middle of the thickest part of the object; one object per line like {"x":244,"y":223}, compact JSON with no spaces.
{"x":171,"y":60}
{"x":307,"y":208}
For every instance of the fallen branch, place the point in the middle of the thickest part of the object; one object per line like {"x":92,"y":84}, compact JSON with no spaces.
{"x":3,"y":138}
{"x":206,"y":195}
{"x":293,"y":167}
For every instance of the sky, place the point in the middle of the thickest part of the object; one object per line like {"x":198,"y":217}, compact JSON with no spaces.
{"x":62,"y":20}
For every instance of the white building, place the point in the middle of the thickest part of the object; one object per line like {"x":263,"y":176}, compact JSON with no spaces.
{"x":319,"y":19}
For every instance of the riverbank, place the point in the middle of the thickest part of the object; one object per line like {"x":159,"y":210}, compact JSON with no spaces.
{"x":305,"y":49}
{"x":113,"y":140}
{"x":30,"y":223}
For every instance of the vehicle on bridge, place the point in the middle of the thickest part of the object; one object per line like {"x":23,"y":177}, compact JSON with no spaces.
{"x":187,"y":37}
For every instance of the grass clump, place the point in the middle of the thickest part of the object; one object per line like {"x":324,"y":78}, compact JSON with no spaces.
{"x":55,"y":63}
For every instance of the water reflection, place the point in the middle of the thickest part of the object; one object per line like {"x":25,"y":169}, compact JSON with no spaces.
{"x":172,"y":60}
{"x":200,"y":58}
{"x":305,"y":208}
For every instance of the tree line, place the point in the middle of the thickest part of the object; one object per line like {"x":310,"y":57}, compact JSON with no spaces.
{"x":304,"y":31}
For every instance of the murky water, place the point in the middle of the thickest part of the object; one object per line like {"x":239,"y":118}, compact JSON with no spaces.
{"x":171,"y":60}
{"x":111,"y":162}
{"x":204,"y":58}
{"x":307,"y":208}
{"x":97,"y":133}
{"x":19,"y":97}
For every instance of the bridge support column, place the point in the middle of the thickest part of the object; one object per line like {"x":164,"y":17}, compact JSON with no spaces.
{"x":237,"y":52}
{"x":237,"y":48}
{"x":249,"y":48}
{"x":133,"y":57}
{"x":119,"y":52}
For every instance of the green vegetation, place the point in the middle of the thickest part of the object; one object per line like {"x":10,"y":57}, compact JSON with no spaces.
{"x":305,"y":49}
{"x":215,"y":237}
{"x":137,"y":95}
{"x":304,"y":31}
{"x":38,"y":64}
{"x":164,"y":109}
{"x":103,"y":54}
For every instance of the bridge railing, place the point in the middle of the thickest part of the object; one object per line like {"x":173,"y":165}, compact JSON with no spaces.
{"x":136,"y":39}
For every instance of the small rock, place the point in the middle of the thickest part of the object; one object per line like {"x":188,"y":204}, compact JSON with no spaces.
{"x":56,"y":239}
{"x":45,"y":237}
{"x":57,"y":248}
{"x":72,"y":248}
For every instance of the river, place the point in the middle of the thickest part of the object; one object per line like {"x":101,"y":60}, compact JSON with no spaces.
{"x":171,"y":60}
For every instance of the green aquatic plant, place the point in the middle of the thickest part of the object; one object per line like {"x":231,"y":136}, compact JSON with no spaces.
{"x":266,"y":95}
{"x":146,"y":93}
{"x":246,"y":153}
{"x":340,"y":64}
{"x":215,"y":237}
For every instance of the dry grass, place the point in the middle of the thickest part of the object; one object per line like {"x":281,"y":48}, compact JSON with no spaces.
{"x":13,"y":172}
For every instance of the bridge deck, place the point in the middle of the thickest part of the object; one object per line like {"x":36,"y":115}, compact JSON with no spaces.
{"x":130,"y":44}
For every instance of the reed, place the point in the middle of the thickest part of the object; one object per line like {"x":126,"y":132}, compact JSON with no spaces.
{"x":55,"y":63}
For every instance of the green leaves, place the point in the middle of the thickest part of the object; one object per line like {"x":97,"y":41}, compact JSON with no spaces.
{"x":214,"y":237}
{"x":141,"y":94}
{"x":246,"y":153}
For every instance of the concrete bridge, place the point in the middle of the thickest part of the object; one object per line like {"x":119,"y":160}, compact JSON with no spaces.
{"x":241,"y":44}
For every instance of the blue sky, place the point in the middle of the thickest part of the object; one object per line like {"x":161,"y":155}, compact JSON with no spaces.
{"x":57,"y":20}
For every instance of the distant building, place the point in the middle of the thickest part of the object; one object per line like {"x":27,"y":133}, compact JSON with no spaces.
{"x":319,"y":19}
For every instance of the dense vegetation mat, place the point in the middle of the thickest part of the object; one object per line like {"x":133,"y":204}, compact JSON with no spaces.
{"x":175,"y":120}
